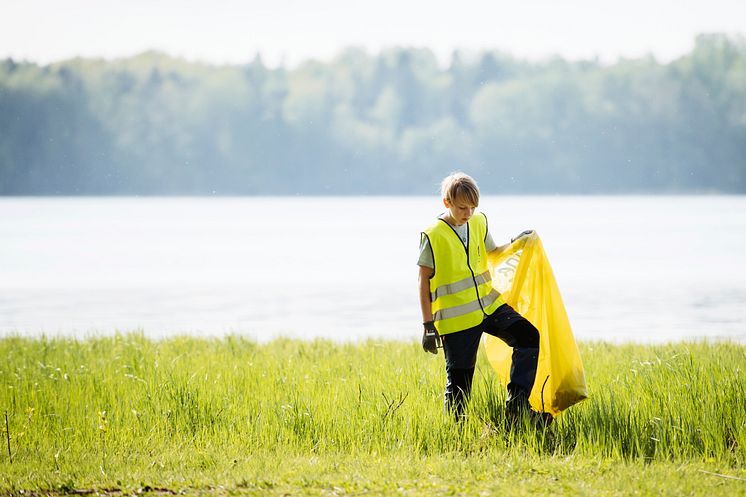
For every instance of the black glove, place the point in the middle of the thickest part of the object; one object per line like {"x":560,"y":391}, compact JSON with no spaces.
{"x":524,"y":233}
{"x":430,"y":338}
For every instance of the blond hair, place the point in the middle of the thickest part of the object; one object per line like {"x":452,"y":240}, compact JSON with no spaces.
{"x":459,"y":186}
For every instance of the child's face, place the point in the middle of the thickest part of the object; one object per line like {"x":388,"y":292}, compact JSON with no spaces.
{"x":459,"y":210}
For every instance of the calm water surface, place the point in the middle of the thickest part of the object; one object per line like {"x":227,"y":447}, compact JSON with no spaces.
{"x":630,"y":268}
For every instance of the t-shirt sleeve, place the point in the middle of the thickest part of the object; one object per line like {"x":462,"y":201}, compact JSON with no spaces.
{"x":489,"y":243}
{"x":426,"y":254}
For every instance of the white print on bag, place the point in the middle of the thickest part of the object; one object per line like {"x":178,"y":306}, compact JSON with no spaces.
{"x":506,"y":271}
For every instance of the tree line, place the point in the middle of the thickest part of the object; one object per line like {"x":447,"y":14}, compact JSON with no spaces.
{"x":392,"y":123}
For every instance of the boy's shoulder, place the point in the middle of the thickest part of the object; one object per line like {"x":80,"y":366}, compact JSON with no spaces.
{"x":437,"y":225}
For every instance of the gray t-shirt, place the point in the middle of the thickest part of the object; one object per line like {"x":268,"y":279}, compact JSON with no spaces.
{"x":426,"y":252}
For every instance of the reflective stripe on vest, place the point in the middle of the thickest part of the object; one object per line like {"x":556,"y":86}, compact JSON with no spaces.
{"x":460,"y":310}
{"x":461,"y":292}
{"x":461,"y":285}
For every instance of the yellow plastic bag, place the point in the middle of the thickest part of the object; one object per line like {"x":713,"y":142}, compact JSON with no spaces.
{"x":524,"y":277}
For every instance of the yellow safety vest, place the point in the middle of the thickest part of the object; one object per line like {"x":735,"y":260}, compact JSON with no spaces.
{"x":461,"y":290}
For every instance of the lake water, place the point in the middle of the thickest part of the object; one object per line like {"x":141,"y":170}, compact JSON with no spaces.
{"x":630,"y":268}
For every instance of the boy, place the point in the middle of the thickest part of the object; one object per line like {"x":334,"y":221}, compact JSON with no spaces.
{"x":458,"y":301}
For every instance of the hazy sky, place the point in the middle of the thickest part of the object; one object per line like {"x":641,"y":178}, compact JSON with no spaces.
{"x":233,"y":31}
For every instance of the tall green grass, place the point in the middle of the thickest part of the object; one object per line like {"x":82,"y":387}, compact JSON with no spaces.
{"x":87,"y":406}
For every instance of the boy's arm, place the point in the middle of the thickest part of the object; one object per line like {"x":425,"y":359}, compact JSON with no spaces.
{"x":424,"y":282}
{"x":499,"y":249}
{"x":491,"y":246}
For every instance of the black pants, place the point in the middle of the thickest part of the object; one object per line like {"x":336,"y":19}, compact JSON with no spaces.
{"x":460,"y":349}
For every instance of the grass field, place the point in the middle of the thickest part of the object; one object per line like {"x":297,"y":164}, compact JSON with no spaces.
{"x":127,"y":414}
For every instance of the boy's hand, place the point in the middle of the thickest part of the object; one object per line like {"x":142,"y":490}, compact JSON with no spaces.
{"x":524,"y":233}
{"x":430,"y":338}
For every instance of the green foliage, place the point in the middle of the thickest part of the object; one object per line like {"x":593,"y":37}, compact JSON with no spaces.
{"x":189,"y":411}
{"x":393,"y":123}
